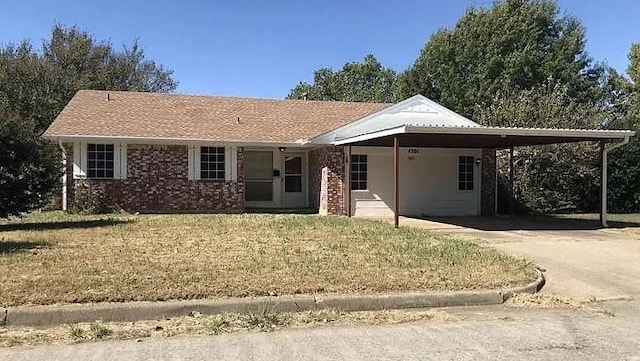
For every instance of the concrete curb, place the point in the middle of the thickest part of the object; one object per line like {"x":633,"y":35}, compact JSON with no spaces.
{"x":136,"y":311}
{"x":532,"y":287}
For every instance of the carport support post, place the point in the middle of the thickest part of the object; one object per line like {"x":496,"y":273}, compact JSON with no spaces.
{"x":603,"y":185}
{"x":512,"y":196}
{"x":348,"y":185}
{"x":396,"y":186}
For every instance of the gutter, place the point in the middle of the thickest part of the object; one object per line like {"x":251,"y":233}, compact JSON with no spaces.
{"x":605,"y":152}
{"x":64,"y":176}
{"x":176,"y":141}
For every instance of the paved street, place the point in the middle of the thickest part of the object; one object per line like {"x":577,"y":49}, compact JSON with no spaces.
{"x":486,"y":333}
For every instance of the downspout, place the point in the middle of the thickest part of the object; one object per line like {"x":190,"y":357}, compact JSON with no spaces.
{"x":64,"y":176}
{"x":605,"y":151}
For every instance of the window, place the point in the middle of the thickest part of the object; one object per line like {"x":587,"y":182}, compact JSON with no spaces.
{"x":100,"y":160}
{"x":358,"y":172}
{"x":293,"y":174}
{"x":465,"y":173}
{"x":212,"y":162}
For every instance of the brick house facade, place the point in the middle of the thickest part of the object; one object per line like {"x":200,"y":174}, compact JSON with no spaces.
{"x":157,"y":181}
{"x":149,"y":152}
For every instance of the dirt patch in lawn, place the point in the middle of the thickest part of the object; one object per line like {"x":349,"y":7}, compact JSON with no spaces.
{"x":56,"y":258}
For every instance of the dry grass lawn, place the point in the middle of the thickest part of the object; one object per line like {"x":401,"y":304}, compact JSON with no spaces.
{"x":547,"y":301}
{"x":51,"y":258}
{"x":209,"y":325}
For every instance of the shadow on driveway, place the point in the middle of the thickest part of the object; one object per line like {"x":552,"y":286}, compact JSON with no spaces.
{"x":527,"y":223}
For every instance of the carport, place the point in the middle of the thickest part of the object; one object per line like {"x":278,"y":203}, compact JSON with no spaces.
{"x":404,"y":133}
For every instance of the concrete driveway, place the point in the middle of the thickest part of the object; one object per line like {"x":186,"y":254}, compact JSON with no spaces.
{"x":579,"y":259}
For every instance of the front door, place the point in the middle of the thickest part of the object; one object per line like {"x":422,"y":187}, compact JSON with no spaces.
{"x":294,"y":185}
{"x":259,"y":179}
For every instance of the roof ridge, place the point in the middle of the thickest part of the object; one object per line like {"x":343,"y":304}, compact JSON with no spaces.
{"x":192,"y":95}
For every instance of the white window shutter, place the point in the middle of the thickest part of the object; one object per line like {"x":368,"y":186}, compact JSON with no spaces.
{"x":119,"y":161}
{"x":116,"y":161}
{"x":85,"y":155}
{"x":227,"y":163}
{"x":123,"y":161}
{"x":79,"y":160}
{"x":234,"y":163}
{"x":190,"y":165}
{"x":193,"y":167}
{"x":196,"y":162}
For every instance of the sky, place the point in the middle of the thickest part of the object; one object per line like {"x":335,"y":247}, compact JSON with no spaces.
{"x":262,"y":48}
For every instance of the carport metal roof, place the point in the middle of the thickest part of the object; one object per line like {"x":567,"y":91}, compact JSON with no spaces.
{"x":478,"y":137}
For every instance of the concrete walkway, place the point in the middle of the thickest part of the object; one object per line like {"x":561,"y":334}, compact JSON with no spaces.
{"x":487,"y":333}
{"x":579,"y":261}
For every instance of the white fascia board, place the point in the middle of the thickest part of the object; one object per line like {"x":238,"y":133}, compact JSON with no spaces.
{"x":525,"y":132}
{"x":495,"y":131}
{"x":146,"y":140}
{"x":331,"y":136}
{"x":374,"y":135}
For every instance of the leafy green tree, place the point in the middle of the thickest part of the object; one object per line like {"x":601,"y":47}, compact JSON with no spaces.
{"x":29,"y":166}
{"x":624,"y":164}
{"x":516,"y":44}
{"x":367,"y":81}
{"x":633,"y":114}
{"x":551,"y":178}
{"x":34,"y":88}
{"x":520,"y":63}
{"x":75,"y":60}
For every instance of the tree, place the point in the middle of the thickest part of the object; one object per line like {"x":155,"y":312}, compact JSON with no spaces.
{"x":75,"y":60}
{"x":551,"y":178}
{"x":516,"y":44}
{"x":29,"y":166}
{"x":633,"y":114}
{"x":367,"y":81}
{"x":36,"y":85}
{"x":519,"y":63}
{"x":624,"y":164}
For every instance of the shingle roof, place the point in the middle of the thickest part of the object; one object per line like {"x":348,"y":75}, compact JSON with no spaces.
{"x":155,"y":115}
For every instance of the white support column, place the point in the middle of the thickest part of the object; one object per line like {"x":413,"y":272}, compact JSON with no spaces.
{"x":603,"y":200}
{"x":603,"y":189}
{"x":64,"y":177}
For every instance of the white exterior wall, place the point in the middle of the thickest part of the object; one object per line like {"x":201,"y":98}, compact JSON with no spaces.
{"x":428,"y":183}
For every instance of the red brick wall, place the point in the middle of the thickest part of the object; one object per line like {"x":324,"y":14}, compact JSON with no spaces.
{"x":157,"y":181}
{"x":331,"y":159}
{"x":488,"y":191}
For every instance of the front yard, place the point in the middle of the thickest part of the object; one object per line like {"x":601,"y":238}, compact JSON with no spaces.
{"x":57,"y":258}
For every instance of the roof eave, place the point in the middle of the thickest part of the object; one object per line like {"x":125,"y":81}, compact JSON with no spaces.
{"x":586,"y":134}
{"x":172,"y":140}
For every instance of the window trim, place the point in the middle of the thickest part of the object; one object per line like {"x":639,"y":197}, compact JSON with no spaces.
{"x":81,"y":155}
{"x":470,"y":165}
{"x":352,"y":172}
{"x":230,"y":162}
